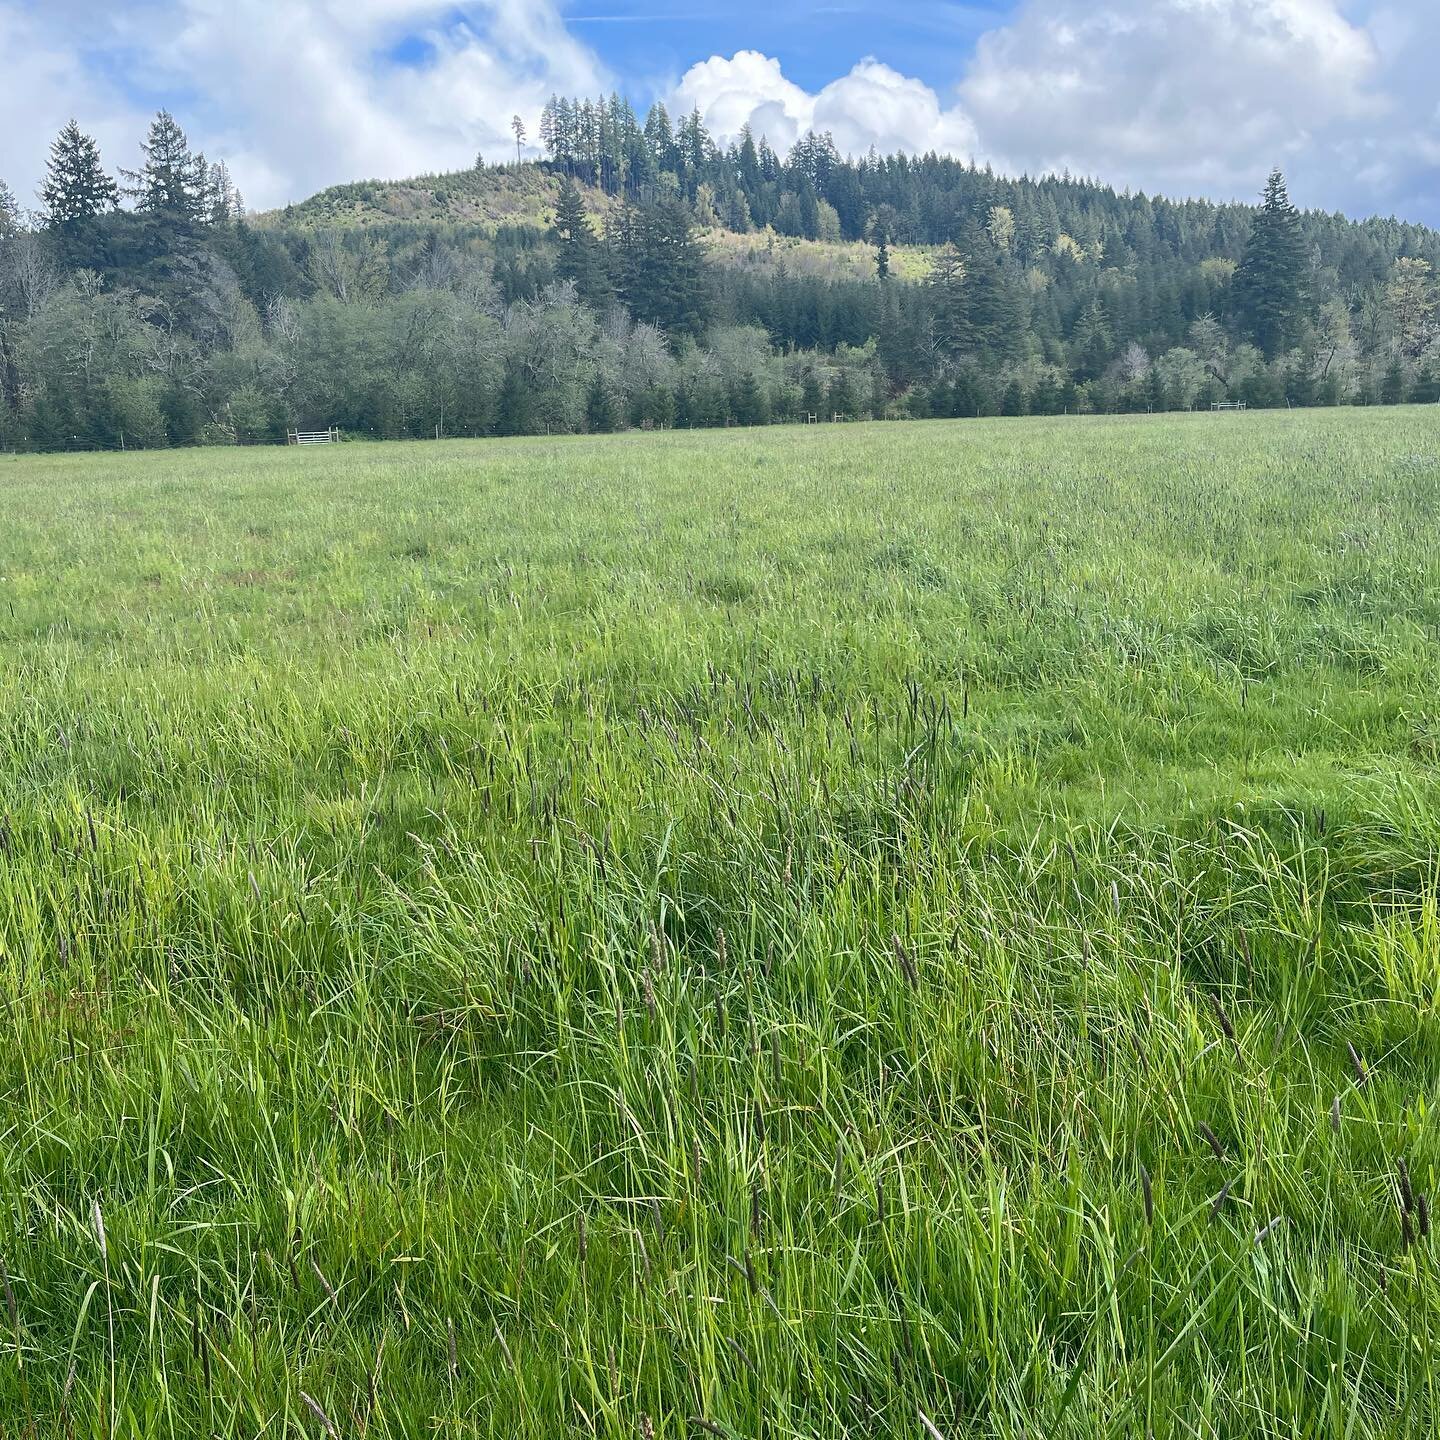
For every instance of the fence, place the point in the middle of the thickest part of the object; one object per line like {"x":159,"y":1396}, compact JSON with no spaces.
{"x":314,"y":437}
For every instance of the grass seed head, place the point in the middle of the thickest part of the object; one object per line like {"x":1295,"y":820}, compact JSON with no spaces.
{"x":1213,"y":1141}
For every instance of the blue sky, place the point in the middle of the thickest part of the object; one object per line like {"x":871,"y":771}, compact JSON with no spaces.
{"x":647,"y":41}
{"x":1181,"y":97}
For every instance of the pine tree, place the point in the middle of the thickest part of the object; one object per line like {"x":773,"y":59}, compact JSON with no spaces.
{"x":1393,"y":387}
{"x":223,"y":200}
{"x":661,"y":268}
{"x":747,"y":402}
{"x":812,"y":397}
{"x":1013,"y":403}
{"x":76,"y":190}
{"x":173,"y":183}
{"x":601,"y":413}
{"x":950,"y":303}
{"x":1270,"y":285}
{"x":581,"y":259}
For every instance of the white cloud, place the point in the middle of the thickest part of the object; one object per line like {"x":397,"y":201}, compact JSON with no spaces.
{"x":1201,"y":96}
{"x":297,"y":94}
{"x":1188,"y":94}
{"x":871,"y":106}
{"x":1178,"y":97}
{"x":1173,"y":96}
{"x":45,"y":81}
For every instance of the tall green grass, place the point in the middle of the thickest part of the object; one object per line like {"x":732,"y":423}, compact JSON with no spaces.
{"x":845,"y":932}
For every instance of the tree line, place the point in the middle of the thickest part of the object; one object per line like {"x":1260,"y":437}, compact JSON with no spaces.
{"x":146,"y":308}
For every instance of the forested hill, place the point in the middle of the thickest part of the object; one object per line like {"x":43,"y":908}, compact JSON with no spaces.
{"x":644,"y":274}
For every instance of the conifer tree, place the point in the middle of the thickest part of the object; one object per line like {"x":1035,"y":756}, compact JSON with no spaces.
{"x":173,"y":183}
{"x":950,"y":303}
{"x":581,"y":259}
{"x":661,"y":268}
{"x":1270,"y":283}
{"x":601,"y":413}
{"x":77,"y":189}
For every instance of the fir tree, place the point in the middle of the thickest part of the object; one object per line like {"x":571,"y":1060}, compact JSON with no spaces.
{"x":581,"y":259}
{"x":77,"y":190}
{"x":173,"y":184}
{"x":662,"y":270}
{"x":747,"y":402}
{"x":9,"y":211}
{"x":812,"y":397}
{"x":601,"y":413}
{"x":1393,"y":387}
{"x":1270,"y":283}
{"x":950,"y":303}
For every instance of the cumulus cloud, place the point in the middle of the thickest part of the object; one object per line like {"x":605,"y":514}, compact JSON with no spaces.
{"x":871,"y":106}
{"x":1194,"y":94}
{"x":1172,"y":96}
{"x":1200,"y":96}
{"x":297,"y":94}
{"x":1179,"y":97}
{"x":45,"y":79}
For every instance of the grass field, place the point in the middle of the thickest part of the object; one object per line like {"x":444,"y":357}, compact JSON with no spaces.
{"x":868,"y":931}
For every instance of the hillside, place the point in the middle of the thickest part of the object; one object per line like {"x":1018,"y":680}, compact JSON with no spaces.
{"x":484,"y":199}
{"x":683,"y":283}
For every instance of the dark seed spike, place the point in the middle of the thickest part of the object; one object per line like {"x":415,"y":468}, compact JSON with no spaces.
{"x":1224,"y":1019}
{"x":1218,"y":1204}
{"x":10,"y":1305}
{"x":1212,"y":1140}
{"x":1148,"y":1195}
{"x":1356,"y":1064}
{"x":1407,"y":1198}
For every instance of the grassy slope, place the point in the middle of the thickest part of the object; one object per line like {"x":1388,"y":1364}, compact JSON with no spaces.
{"x":598,"y":933}
{"x":487,"y":199}
{"x":501,"y":195}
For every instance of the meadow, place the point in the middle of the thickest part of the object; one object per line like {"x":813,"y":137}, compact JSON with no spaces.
{"x":920,"y":930}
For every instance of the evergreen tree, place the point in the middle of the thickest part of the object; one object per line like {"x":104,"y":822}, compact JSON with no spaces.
{"x":9,"y":211}
{"x":950,"y":303}
{"x":514,"y":407}
{"x":1092,"y":343}
{"x":601,"y":413}
{"x":841,"y":400}
{"x":1014,"y":400}
{"x":173,"y":184}
{"x":77,"y":190}
{"x":662,"y":269}
{"x":747,"y":402}
{"x":1427,"y":385}
{"x":581,"y":259}
{"x":812,"y":397}
{"x":1393,"y":388}
{"x":1270,"y":285}
{"x":223,"y":200}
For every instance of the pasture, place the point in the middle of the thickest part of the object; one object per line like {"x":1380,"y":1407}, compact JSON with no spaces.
{"x":851,"y":931}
